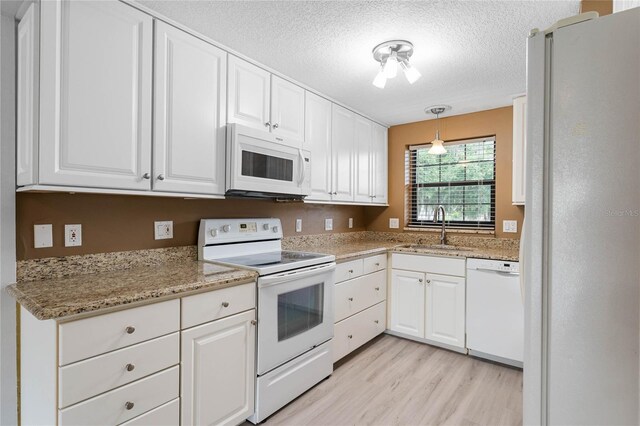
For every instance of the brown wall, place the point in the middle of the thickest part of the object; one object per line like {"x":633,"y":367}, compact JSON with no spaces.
{"x":120,"y":222}
{"x":603,"y":7}
{"x":498,"y":122}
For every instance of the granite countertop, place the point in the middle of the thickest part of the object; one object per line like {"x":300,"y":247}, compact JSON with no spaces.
{"x":350,"y":250}
{"x":58,"y":298}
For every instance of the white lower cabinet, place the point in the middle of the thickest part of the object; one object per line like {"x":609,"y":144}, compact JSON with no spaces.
{"x":359,"y":303}
{"x":426,"y":304}
{"x":218,"y":371}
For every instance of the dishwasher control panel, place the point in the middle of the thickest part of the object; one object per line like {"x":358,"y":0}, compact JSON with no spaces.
{"x":493,"y":265}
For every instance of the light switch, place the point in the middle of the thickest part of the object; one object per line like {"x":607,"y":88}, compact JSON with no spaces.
{"x":42,"y":236}
{"x":394,"y":223}
{"x":510,"y":226}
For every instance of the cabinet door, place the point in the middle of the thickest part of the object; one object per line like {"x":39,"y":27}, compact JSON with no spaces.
{"x":519,"y":150}
{"x":218,"y":371}
{"x":317,"y":140}
{"x":95,"y":96}
{"x":287,"y":111}
{"x":407,"y":302}
{"x":445,"y":309}
{"x":362,"y":167}
{"x":343,"y":131}
{"x":248,"y":94}
{"x":190,"y":90}
{"x":379,"y":164}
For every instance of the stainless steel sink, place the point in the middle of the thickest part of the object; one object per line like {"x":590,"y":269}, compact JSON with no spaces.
{"x":446,"y":247}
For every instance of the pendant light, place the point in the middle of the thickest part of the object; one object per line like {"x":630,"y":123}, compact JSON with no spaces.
{"x":437,"y":145}
{"x":391,"y":55}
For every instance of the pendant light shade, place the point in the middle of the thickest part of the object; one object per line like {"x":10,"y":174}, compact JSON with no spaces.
{"x":437,"y":145}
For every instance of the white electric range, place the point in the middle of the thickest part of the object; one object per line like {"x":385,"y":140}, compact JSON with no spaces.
{"x":295,"y":305}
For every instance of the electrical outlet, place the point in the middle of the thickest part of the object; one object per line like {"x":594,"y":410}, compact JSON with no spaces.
{"x":163,"y":230}
{"x":72,"y":235}
{"x":510,"y":226}
{"x":350,"y":222}
{"x":394,"y":223}
{"x":298,"y":225}
{"x":42,"y":236}
{"x":328,"y":224}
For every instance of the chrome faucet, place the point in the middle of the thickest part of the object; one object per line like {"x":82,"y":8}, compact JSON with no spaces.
{"x":443,"y":235}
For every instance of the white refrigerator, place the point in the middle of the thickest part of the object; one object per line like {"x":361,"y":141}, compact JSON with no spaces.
{"x":581,"y":242}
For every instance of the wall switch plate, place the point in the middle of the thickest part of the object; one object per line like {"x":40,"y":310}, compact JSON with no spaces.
{"x":394,"y":223}
{"x":298,"y":225}
{"x":163,"y":230}
{"x":510,"y":226}
{"x":328,"y":224}
{"x":72,"y":235}
{"x":42,"y":236}
{"x":350,"y":222}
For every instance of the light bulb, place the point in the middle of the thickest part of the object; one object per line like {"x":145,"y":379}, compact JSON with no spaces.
{"x":381,"y":80}
{"x":391,"y":66}
{"x":410,"y":72}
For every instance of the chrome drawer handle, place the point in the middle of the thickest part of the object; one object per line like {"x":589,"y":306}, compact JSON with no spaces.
{"x":377,"y":288}
{"x":225,"y":304}
{"x":351,"y":299}
{"x":129,"y":405}
{"x":376,"y":321}
{"x":130,"y":367}
{"x":130,"y":329}
{"x":351,"y":271}
{"x":377,"y":263}
{"x":350,"y":336}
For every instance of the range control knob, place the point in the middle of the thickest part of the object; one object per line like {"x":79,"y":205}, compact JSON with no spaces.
{"x":214,"y":232}
{"x":275,"y":229}
{"x":265,"y":226}
{"x":226,"y":228}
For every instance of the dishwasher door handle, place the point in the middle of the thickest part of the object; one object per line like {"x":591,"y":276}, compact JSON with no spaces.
{"x":515,"y":274}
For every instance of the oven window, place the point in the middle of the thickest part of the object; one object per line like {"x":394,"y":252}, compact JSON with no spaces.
{"x":266,"y":166}
{"x":299,"y":311}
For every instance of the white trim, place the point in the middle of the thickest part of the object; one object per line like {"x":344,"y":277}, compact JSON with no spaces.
{"x":73,"y":189}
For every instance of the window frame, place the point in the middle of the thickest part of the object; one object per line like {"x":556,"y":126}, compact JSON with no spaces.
{"x":413,"y":187}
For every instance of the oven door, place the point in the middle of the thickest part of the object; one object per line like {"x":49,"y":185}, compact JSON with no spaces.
{"x":260,"y":162}
{"x":295,"y":314}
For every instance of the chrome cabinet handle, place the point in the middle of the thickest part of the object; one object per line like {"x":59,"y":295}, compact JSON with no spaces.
{"x":225,"y":304}
{"x":351,"y":299}
{"x":428,"y":281}
{"x":129,"y":405}
{"x":129,"y":367}
{"x":419,"y":280}
{"x":254,"y":322}
{"x":275,"y":126}
{"x":130,"y":329}
{"x":267,"y":124}
{"x":160,"y":176}
{"x":377,"y":263}
{"x":350,"y":336}
{"x":376,"y":321}
{"x":377,"y":288}
{"x":146,"y":176}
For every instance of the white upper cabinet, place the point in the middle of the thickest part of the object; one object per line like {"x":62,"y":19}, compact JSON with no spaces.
{"x":379,"y":165}
{"x":318,"y":141}
{"x":190,"y":113}
{"x":445,"y":310}
{"x":362,"y":154}
{"x":287,"y":109}
{"x":249,"y":93}
{"x":95,"y":95}
{"x":519,"y":150}
{"x":343,"y":131}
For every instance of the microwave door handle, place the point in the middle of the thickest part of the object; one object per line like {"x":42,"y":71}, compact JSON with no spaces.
{"x":292,"y":276}
{"x":302,"y":171}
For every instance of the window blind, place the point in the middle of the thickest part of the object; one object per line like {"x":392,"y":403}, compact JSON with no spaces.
{"x":463,"y":181}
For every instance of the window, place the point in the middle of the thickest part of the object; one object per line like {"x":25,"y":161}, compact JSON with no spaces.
{"x":463,"y":181}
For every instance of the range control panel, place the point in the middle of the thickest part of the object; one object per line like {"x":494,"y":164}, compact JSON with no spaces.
{"x":225,"y":231}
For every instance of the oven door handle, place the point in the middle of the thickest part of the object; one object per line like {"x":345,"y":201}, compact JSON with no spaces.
{"x":295,"y":275}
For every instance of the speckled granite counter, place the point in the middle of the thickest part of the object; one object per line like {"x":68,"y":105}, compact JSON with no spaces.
{"x":57,"y":298}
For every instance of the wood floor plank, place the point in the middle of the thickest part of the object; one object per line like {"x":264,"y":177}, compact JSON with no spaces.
{"x":394,"y":381}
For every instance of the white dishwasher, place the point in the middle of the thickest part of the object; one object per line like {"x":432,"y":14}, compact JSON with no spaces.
{"x":495,"y":314}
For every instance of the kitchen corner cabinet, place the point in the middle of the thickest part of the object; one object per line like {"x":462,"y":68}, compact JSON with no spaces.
{"x":263,"y":101}
{"x":519,"y":165}
{"x":343,"y":136}
{"x":379,"y":165}
{"x":317,"y":140}
{"x":190,"y":113}
{"x":428,"y":299}
{"x":362,"y":159}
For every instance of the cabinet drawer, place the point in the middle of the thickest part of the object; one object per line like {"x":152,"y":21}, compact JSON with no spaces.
{"x":355,"y":295}
{"x":347,"y":270}
{"x":432,"y":264}
{"x":165,"y":415}
{"x":375,"y":263}
{"x":357,"y":330}
{"x":205,"y":307}
{"x":112,"y":407}
{"x":93,"y":376}
{"x":94,"y":336}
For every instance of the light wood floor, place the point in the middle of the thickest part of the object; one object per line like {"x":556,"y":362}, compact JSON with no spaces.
{"x":393,"y":381}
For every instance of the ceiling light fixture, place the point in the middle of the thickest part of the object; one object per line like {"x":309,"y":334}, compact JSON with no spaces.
{"x":437,"y":145}
{"x":390,"y":54}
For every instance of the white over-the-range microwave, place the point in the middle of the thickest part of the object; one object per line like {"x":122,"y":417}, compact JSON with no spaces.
{"x":261,"y":164}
